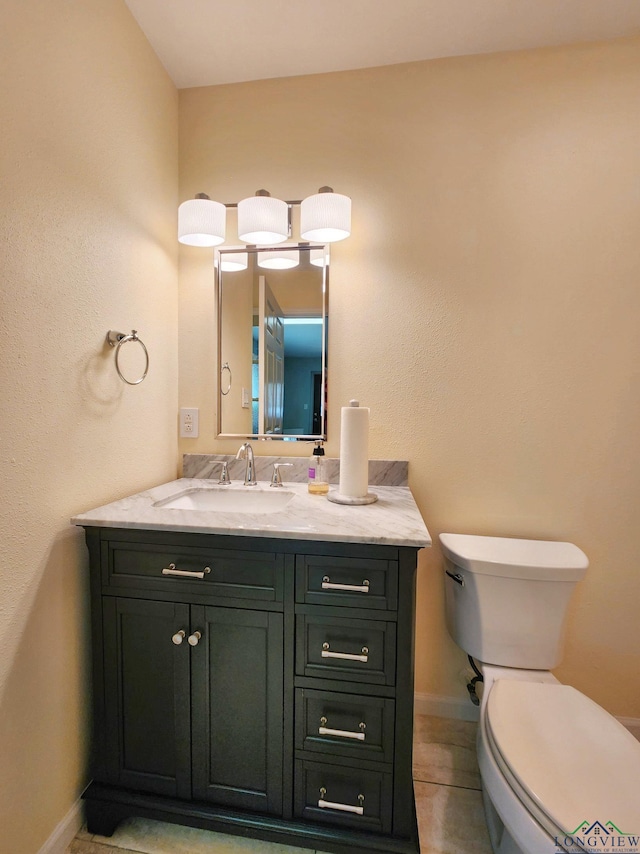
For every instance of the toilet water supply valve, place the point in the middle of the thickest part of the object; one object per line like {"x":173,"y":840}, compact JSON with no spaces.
{"x":471,"y":686}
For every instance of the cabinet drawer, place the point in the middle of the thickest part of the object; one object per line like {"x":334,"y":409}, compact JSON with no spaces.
{"x":350,"y":582}
{"x":343,"y":796}
{"x":218,"y":573}
{"x":344,"y":725}
{"x":339,"y":648}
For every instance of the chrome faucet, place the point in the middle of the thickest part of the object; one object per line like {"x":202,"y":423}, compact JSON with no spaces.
{"x":276,"y":477}
{"x":245,"y":452}
{"x":225,"y":479}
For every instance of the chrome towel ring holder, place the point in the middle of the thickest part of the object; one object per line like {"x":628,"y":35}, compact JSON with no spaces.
{"x":226,"y":367}
{"x":117,"y":339}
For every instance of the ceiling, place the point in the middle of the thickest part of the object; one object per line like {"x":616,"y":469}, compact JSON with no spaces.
{"x":207,"y":42}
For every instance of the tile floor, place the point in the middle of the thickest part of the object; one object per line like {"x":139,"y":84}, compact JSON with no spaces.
{"x":448,"y":803}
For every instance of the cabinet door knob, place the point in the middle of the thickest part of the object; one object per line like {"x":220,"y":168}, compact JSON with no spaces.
{"x":194,"y":638}
{"x":178,"y":637}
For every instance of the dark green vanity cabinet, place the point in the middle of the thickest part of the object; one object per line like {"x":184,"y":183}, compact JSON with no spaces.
{"x":165,"y":731}
{"x":254,"y":686}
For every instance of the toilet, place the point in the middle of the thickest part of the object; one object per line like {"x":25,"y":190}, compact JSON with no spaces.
{"x":558,"y":772}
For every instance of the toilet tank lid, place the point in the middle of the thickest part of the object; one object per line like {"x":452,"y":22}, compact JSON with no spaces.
{"x":513,"y":558}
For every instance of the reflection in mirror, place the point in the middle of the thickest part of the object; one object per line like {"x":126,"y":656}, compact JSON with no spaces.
{"x":272,"y":336}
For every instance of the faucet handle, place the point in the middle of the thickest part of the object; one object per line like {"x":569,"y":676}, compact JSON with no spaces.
{"x":276,"y":477}
{"x":225,"y":479}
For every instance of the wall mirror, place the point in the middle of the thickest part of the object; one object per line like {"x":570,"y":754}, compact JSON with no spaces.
{"x":272,"y":311}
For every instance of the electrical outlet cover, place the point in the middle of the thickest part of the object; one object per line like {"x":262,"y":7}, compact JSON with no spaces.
{"x":189,"y":423}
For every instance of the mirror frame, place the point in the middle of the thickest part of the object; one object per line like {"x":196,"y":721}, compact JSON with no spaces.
{"x":255,"y":251}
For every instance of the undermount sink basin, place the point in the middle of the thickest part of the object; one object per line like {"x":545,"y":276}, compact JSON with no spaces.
{"x":226,"y":500}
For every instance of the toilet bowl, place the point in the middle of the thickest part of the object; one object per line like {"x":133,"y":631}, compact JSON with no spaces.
{"x":558,"y":772}
{"x":551,"y":759}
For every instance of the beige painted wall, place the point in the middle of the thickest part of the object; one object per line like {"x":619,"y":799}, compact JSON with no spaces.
{"x":87,"y":228}
{"x":486,"y":307}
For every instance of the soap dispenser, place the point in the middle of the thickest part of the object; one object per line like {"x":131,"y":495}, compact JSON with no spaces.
{"x":318,"y":483}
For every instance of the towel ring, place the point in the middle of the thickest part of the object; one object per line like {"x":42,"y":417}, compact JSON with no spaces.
{"x":117,"y":339}
{"x":225,"y":367}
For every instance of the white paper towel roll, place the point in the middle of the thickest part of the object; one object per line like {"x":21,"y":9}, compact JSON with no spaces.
{"x":354,"y":450}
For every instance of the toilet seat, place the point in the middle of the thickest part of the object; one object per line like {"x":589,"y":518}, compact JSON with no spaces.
{"x":565,"y":757}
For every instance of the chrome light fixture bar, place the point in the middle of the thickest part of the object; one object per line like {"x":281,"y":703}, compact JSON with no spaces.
{"x":325,"y":217}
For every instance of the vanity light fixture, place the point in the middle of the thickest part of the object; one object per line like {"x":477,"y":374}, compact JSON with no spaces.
{"x":280,"y":259}
{"x":262,"y":220}
{"x":233,"y":262}
{"x":325,"y":217}
{"x":318,"y":257}
{"x":201,"y":221}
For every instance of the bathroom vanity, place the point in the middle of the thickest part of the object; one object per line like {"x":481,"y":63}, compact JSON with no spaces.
{"x":253,"y":672}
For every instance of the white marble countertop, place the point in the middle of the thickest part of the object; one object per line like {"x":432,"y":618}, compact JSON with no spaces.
{"x":392,"y":520}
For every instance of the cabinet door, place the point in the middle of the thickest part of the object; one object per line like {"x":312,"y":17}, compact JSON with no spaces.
{"x":147,"y":686}
{"x":237,"y":676}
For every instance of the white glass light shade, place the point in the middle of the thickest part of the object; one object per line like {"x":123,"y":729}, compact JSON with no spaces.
{"x":262,"y":219}
{"x":233,"y":262}
{"x":201,"y":222}
{"x":283,"y":259}
{"x":325,"y":217}
{"x":317,"y":257}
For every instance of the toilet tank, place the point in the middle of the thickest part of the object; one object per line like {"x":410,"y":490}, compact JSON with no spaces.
{"x":506,"y":599}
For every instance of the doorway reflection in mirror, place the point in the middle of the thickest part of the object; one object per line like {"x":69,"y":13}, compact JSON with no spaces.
{"x":272,"y":330}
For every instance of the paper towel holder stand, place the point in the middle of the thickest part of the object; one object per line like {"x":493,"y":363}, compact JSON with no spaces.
{"x":337,"y":498}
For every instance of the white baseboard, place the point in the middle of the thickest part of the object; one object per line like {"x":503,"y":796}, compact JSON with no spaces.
{"x":445,"y":707}
{"x":64,"y":832}
{"x":632,"y":724}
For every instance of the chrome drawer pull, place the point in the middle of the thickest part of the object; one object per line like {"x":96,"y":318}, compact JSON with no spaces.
{"x":326,"y":653}
{"x":341,"y":733}
{"x":327,"y":584}
{"x":330,"y":805}
{"x":171,"y":570}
